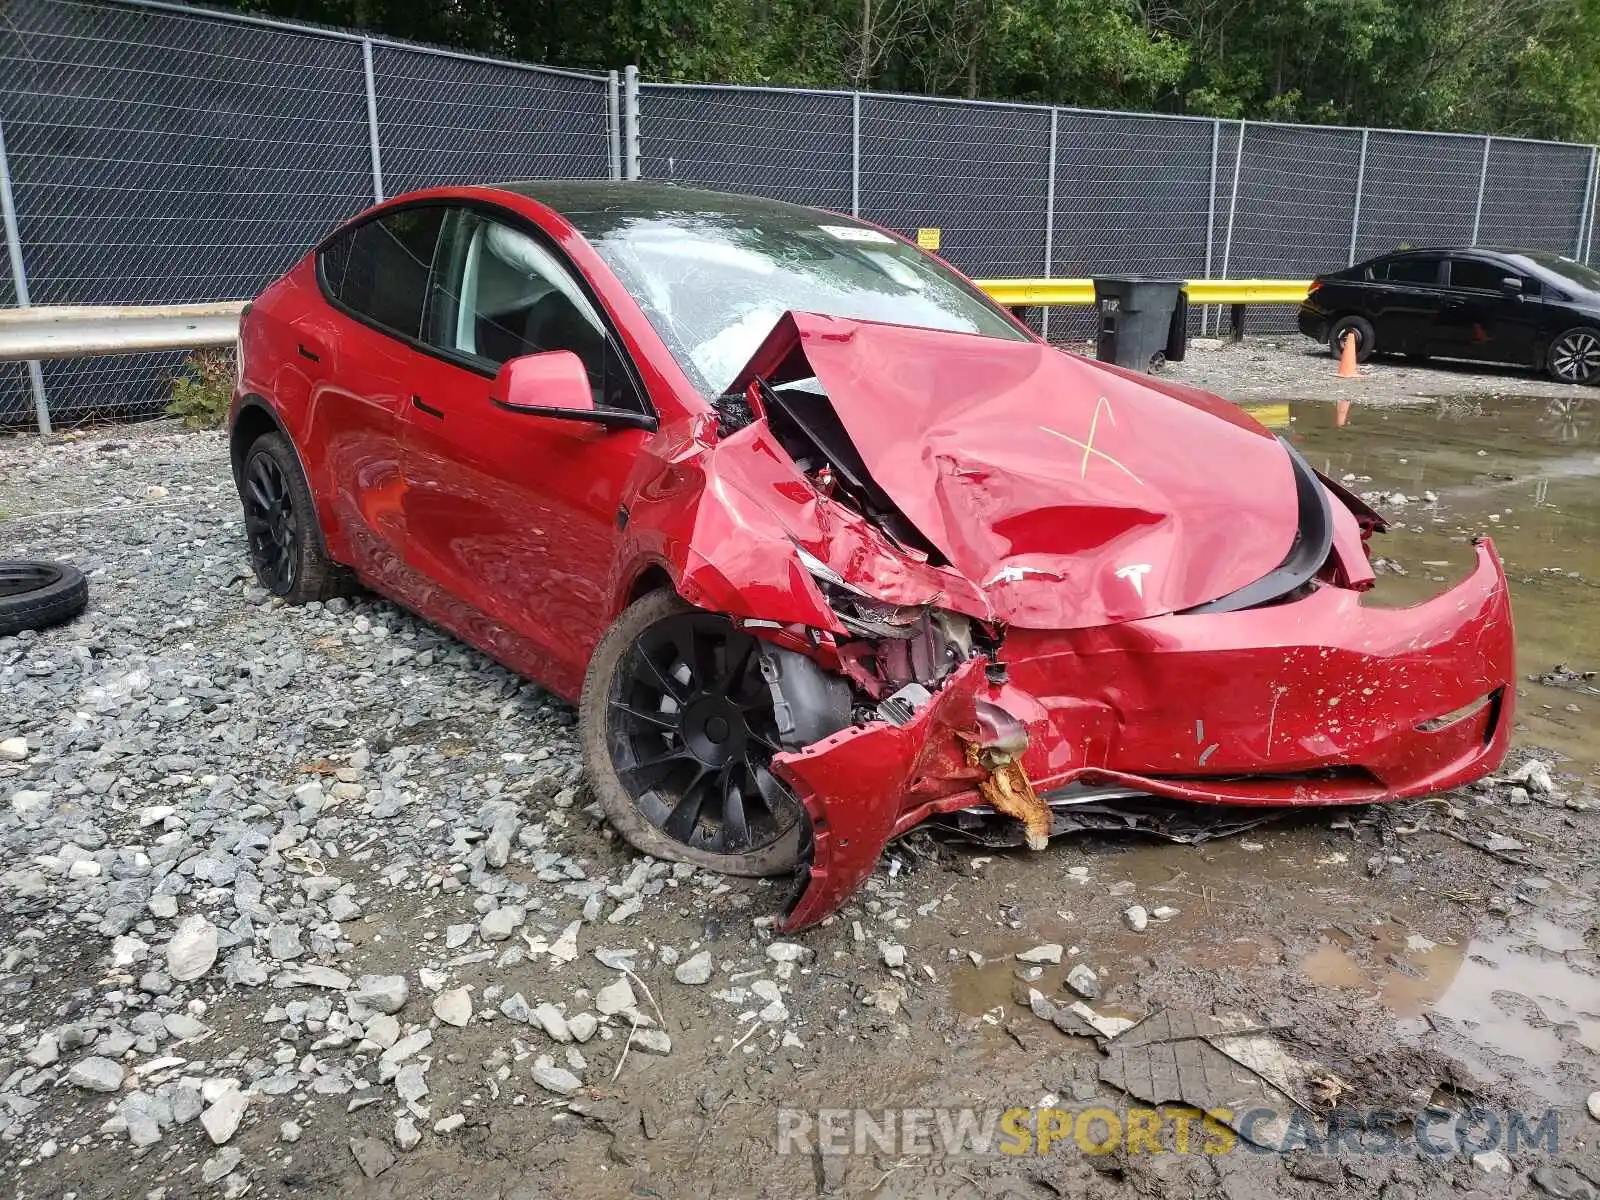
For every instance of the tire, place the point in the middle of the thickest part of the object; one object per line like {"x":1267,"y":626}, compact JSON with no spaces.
{"x":1574,"y":356}
{"x":37,"y":595}
{"x":281,"y":525}
{"x":623,"y":734}
{"x":1366,"y":339}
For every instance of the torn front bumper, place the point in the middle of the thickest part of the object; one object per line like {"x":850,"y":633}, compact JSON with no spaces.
{"x":1323,"y":700}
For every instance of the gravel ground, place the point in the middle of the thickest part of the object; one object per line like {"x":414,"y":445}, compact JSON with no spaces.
{"x":1291,"y":367}
{"x":306,"y":901}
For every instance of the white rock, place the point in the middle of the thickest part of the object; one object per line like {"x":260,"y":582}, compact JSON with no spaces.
{"x":1492,"y":1161}
{"x":413,"y":1043}
{"x":1535,"y":775}
{"x":615,"y":997}
{"x":406,"y":1135}
{"x":1050,"y":952}
{"x":1084,"y":981}
{"x":192,"y":950}
{"x":222,"y":1119}
{"x":553,"y":1022}
{"x":95,"y":1073}
{"x":894,"y":954}
{"x":453,"y":1007}
{"x":1163,"y":913}
{"x":450,"y":1124}
{"x":155,"y":814}
{"x":583,"y":1026}
{"x":787,"y":952}
{"x":555,"y":1079}
{"x":381,"y":993}
{"x":500,"y":924}
{"x":28,"y":803}
{"x":694,"y":971}
{"x":14,"y":749}
{"x":220,"y":1164}
{"x":1137,"y":917}
{"x":290,"y":1131}
{"x":1594,"y":1105}
{"x":652,"y":1041}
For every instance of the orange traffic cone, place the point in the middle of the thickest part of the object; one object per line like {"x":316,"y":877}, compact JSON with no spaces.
{"x":1347,"y":356}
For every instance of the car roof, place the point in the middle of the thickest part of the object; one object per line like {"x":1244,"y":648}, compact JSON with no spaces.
{"x":635,"y":198}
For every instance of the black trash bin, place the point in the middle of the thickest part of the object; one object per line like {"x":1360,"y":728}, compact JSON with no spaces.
{"x":1143,"y":321}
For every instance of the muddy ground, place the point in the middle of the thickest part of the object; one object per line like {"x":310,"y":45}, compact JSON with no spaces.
{"x":1425,"y":960}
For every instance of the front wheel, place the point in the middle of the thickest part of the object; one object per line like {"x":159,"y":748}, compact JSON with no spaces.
{"x":678,"y":727}
{"x":1575,"y":356}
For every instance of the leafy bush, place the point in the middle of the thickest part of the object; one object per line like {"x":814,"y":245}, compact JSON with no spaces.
{"x":202,"y":391}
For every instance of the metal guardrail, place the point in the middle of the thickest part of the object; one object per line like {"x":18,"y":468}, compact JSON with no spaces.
{"x":72,"y":331}
{"x":1028,"y":292}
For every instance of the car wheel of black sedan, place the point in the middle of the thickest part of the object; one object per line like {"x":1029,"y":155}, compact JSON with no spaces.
{"x":1366,"y":339}
{"x":280,"y":523}
{"x":678,"y":726}
{"x":1575,"y":356}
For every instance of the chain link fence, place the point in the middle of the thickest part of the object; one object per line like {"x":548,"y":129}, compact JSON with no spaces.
{"x":158,"y":152}
{"x":162,"y":154}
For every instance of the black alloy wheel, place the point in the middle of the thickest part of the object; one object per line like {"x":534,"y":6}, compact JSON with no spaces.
{"x":271,"y":522}
{"x":691,"y":730}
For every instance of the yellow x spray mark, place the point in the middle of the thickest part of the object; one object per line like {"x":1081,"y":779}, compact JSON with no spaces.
{"x":1089,"y":448}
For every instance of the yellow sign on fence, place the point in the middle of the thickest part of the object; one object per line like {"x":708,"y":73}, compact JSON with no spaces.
{"x":928,"y":239}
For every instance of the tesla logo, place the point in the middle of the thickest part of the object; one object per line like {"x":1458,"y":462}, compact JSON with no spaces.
{"x":1134,"y":573}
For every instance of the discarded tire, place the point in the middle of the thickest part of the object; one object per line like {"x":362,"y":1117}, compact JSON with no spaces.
{"x":36,"y":595}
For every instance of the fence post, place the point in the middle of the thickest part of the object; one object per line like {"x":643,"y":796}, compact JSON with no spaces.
{"x":372,"y":120}
{"x":855,"y":154}
{"x":1211,"y":216}
{"x":1050,"y":216}
{"x":1361,"y":183}
{"x":1586,"y":216}
{"x":614,"y":124}
{"x":1594,"y":200}
{"x":1233,"y":201}
{"x":8,"y":212}
{"x":1483,"y":179}
{"x":630,"y":121}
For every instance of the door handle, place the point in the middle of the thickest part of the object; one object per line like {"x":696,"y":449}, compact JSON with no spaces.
{"x":420,"y":405}
{"x":304,"y":353}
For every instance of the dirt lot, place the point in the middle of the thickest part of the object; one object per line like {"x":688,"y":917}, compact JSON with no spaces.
{"x":368,"y":818}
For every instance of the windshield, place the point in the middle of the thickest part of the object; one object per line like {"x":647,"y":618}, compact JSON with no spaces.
{"x":714,"y":284}
{"x":1585,"y":277}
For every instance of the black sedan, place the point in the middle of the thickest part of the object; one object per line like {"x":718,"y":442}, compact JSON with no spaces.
{"x":1529,"y":308}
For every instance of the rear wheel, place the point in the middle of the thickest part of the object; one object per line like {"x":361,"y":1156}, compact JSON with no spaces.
{"x":678,"y":727}
{"x":280,"y":522}
{"x":1575,"y":356}
{"x":1361,"y":329}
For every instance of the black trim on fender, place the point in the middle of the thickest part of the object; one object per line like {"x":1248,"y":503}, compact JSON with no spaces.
{"x":1313,"y":540}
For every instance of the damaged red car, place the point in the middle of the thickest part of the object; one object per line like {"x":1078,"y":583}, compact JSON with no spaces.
{"x":821,"y":541}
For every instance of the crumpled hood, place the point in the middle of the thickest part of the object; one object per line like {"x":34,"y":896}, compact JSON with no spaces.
{"x":1072,"y":494}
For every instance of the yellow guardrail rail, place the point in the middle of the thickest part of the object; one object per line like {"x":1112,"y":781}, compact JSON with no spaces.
{"x":1023,"y":292}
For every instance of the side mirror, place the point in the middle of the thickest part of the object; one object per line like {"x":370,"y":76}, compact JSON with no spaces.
{"x":1511,"y":285}
{"x":554,"y":382}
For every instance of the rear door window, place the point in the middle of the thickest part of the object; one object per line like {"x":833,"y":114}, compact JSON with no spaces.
{"x":379,"y":269}
{"x":1412,"y":270}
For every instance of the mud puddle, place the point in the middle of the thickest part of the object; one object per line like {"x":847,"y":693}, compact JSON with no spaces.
{"x":1524,"y":472}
